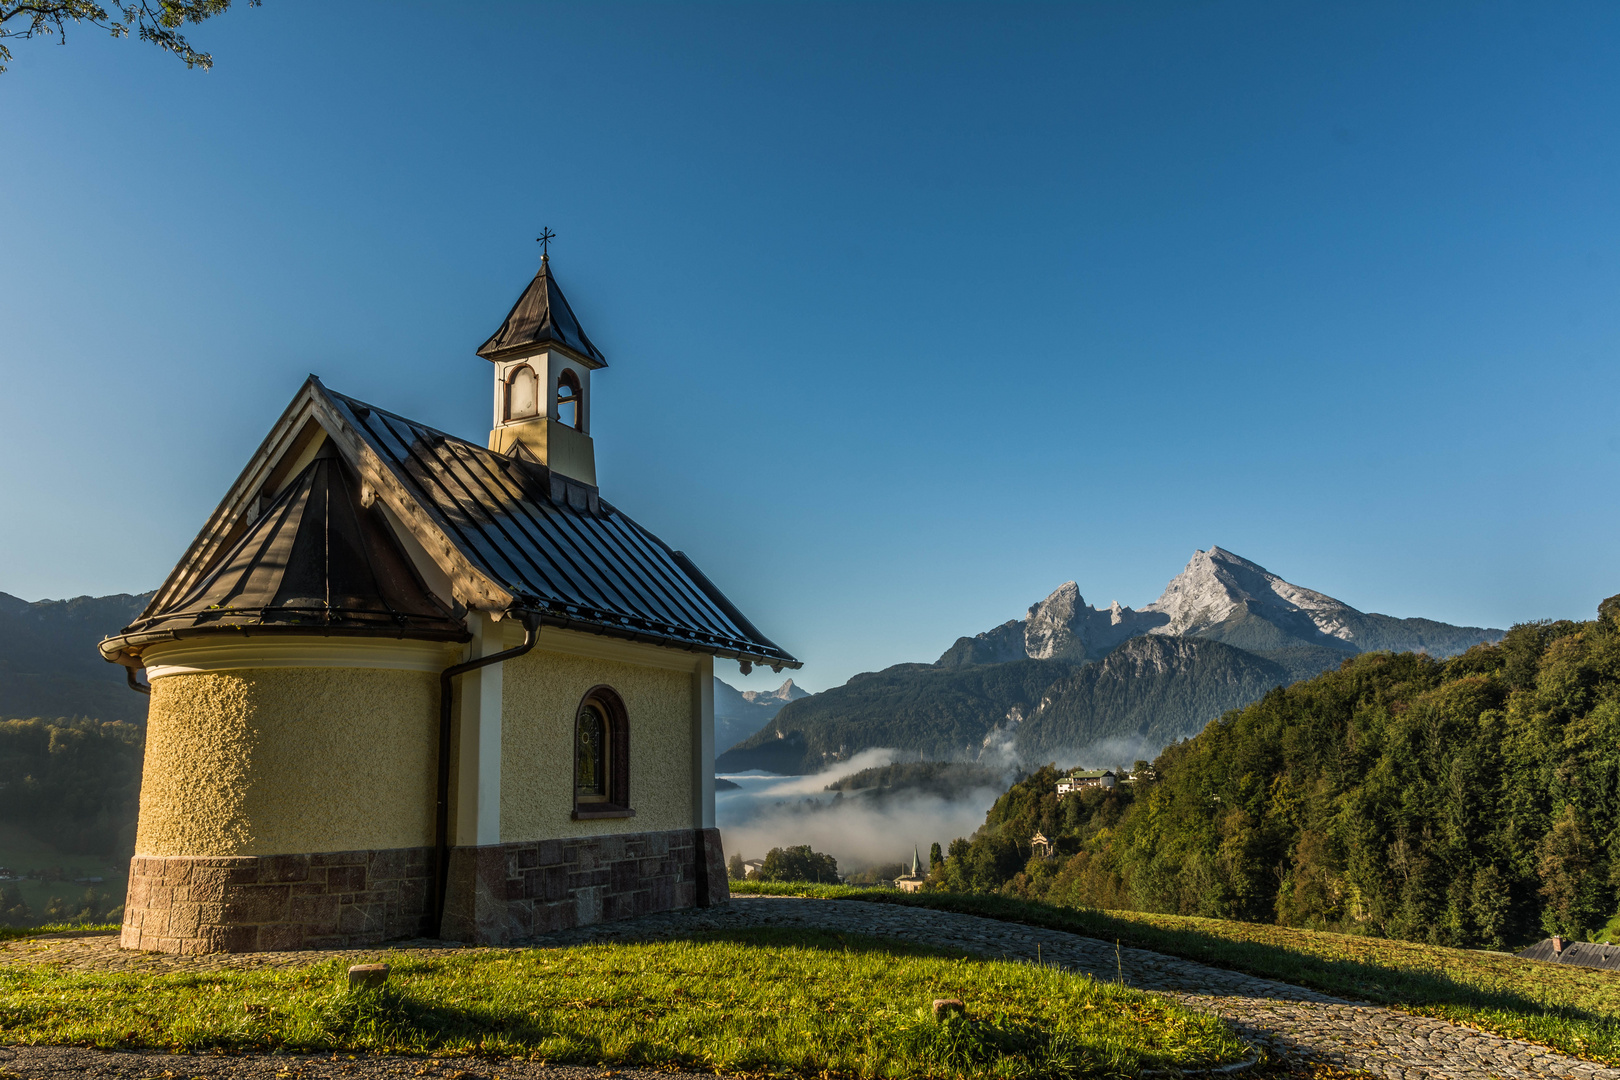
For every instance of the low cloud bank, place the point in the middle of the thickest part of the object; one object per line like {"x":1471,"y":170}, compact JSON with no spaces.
{"x":1118,"y":753}
{"x":860,"y":830}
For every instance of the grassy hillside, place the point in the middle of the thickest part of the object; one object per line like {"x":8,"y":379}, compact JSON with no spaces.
{"x":1575,"y":1010}
{"x":756,"y":1003}
{"x":1472,"y":801}
{"x":54,"y":886}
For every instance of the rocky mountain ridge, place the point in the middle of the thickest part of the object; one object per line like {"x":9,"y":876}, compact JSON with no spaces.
{"x":1221,"y":596}
{"x":1073,"y":683}
{"x":740,"y":713}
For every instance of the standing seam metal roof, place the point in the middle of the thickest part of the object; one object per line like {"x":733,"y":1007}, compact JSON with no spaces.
{"x":316,"y":560}
{"x":554,"y":543}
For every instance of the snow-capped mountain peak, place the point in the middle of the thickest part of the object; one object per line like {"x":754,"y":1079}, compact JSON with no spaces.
{"x":1218,"y":595}
{"x":1216,"y":583}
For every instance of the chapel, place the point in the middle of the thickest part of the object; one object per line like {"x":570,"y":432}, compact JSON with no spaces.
{"x":405,"y":684}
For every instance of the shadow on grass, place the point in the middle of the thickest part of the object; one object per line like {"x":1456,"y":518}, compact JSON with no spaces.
{"x":774,"y":937}
{"x":1350,"y":977}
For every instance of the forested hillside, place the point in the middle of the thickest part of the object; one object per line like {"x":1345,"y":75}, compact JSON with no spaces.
{"x":75,"y":785}
{"x":1470,"y":801}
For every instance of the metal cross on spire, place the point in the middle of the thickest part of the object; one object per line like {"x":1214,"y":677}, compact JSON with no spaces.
{"x":544,"y":240}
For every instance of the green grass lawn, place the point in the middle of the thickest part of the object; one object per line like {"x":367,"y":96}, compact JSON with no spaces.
{"x":758,"y":1002}
{"x":1572,"y":1009}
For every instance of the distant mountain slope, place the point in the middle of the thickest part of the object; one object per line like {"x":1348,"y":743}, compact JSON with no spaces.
{"x":740,"y":713}
{"x":1145,"y":695}
{"x":1148,"y":693}
{"x":49,"y":665}
{"x":1115,"y":682}
{"x":943,"y":713}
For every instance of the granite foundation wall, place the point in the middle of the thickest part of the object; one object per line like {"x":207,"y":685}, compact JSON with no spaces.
{"x":351,"y":899}
{"x":250,"y":903}
{"x":508,"y":892}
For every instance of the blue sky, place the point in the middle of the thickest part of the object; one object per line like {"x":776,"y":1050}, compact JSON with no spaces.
{"x":913,"y":311}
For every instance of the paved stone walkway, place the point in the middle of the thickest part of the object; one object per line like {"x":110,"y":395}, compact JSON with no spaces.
{"x":1289,"y":1021}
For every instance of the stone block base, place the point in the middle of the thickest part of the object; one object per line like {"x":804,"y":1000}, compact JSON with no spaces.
{"x":245,"y":903}
{"x":508,"y":892}
{"x":351,"y":899}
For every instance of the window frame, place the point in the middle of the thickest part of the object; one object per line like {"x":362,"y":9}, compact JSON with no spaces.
{"x":615,"y":801}
{"x":576,"y":397}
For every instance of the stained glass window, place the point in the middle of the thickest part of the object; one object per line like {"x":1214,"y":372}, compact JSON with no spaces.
{"x":590,"y":755}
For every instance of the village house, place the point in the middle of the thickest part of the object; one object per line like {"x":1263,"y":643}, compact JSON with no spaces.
{"x":1081,"y":779}
{"x":404,"y":684}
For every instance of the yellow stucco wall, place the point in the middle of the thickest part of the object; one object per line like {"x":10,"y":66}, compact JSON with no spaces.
{"x":279,"y":761}
{"x":541,"y":693}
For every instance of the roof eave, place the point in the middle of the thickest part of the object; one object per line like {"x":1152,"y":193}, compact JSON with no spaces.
{"x":510,"y":352}
{"x":547,"y":617}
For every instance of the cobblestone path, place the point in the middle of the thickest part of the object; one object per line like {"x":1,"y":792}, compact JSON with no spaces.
{"x":1289,"y":1021}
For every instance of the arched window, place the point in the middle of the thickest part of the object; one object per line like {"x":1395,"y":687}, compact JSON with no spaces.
{"x":601,"y":756}
{"x":570,"y":401}
{"x":522,"y":398}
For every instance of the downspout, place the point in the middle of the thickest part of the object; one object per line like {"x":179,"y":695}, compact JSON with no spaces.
{"x":138,"y":687}
{"x":441,"y":825}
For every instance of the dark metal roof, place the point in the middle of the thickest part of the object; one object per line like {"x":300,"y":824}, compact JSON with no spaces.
{"x":541,"y":316}
{"x":1579,"y":953}
{"x":555,"y":544}
{"x":315,"y":560}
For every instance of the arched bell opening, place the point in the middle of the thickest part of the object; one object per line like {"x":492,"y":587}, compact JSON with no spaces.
{"x":570,"y":401}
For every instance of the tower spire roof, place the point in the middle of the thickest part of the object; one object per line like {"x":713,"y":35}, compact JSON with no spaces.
{"x":541,"y":316}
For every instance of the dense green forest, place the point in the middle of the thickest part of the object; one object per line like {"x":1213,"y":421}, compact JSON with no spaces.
{"x":1473,"y":801}
{"x":74,"y":785}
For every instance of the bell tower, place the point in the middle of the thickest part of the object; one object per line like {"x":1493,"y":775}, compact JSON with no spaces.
{"x":543,"y":363}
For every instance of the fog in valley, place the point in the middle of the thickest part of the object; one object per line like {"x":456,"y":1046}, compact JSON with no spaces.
{"x":874,"y":826}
